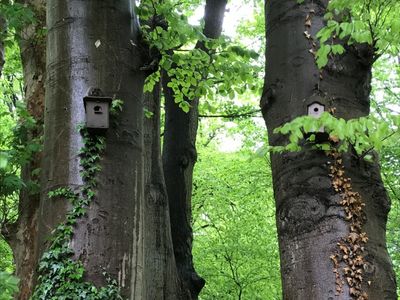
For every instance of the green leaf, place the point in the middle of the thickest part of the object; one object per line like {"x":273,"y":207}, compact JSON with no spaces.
{"x":325,"y":147}
{"x":117,"y":104}
{"x":322,"y":55}
{"x":148,"y":114}
{"x":184,"y":105}
{"x":3,"y":160}
{"x":337,"y":49}
{"x":326,"y":32}
{"x":346,"y":29}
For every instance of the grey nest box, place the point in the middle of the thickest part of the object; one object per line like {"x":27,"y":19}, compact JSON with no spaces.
{"x":97,"y":109}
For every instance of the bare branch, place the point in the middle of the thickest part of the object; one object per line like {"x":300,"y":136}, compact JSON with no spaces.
{"x":232,"y":116}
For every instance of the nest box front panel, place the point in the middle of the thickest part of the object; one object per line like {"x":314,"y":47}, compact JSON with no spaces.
{"x":97,"y":114}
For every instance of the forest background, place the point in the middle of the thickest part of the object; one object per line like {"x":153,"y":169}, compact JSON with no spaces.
{"x":235,"y":240}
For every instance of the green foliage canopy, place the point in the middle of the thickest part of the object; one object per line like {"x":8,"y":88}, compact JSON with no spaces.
{"x":235,"y":246}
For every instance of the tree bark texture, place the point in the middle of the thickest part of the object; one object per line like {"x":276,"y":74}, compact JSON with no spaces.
{"x":22,"y":235}
{"x":179,"y":157}
{"x":309,"y":219}
{"x":92,"y":44}
{"x":161,"y":276}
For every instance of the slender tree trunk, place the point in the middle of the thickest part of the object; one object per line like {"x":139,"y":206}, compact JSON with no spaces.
{"x":2,"y":35}
{"x":179,"y":157}
{"x":161,"y":276}
{"x":22,"y":235}
{"x":310,"y":221}
{"x":32,"y":42}
{"x":92,"y":44}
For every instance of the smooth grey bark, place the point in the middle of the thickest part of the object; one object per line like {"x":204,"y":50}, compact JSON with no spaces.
{"x":93,"y":44}
{"x":309,"y":219}
{"x":179,"y":157}
{"x":22,"y":235}
{"x":160,"y":272}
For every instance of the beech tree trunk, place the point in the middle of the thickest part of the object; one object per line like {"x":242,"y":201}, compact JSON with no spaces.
{"x":161,"y":277}
{"x":309,"y":219}
{"x":179,"y":157}
{"x":22,"y":235}
{"x":93,"y":44}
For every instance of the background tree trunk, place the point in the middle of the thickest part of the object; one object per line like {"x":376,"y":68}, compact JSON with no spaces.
{"x":179,"y":157}
{"x":2,"y":35}
{"x":92,"y":44}
{"x":161,"y":276}
{"x":309,"y":220}
{"x":22,"y":235}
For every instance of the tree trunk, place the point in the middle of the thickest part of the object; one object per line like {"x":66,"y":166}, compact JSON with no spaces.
{"x":2,"y":35}
{"x":161,"y":276}
{"x":92,"y":44}
{"x":22,"y":235}
{"x":179,"y":157}
{"x":309,"y":219}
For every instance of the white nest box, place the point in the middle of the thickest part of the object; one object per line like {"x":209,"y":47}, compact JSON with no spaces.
{"x":315,"y":110}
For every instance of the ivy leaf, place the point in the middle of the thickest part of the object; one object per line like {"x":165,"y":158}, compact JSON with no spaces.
{"x":116,"y":105}
{"x":147,"y":113}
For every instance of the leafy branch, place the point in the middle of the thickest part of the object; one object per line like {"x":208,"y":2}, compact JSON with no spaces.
{"x":356,"y":22}
{"x":217,"y":66}
{"x":361,"y":135}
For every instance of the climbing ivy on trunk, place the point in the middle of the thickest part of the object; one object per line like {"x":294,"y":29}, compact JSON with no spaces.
{"x":61,"y":276}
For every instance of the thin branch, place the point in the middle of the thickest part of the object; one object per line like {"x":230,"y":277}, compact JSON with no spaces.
{"x":372,"y":148}
{"x":388,"y":89}
{"x":232,"y":116}
{"x":389,"y":184}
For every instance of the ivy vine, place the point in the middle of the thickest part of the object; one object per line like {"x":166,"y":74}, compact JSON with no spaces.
{"x":351,"y":248}
{"x":359,"y":137}
{"x":60,"y":276}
